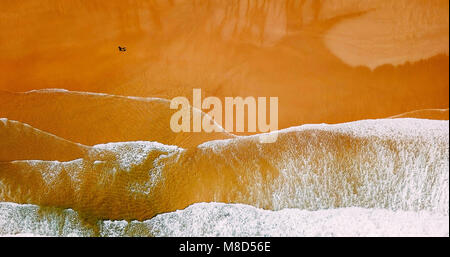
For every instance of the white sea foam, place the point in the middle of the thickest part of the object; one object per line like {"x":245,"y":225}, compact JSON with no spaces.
{"x":381,"y":128}
{"x":398,"y":164}
{"x":65,"y":91}
{"x":49,"y":90}
{"x":217,"y":219}
{"x":26,"y":219}
{"x":214,"y":219}
{"x":130,"y":154}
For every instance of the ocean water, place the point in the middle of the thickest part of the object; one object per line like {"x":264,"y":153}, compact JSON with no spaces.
{"x":365,"y":178}
{"x":218,"y":219}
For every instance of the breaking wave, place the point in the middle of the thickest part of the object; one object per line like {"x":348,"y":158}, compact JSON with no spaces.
{"x":396,"y":165}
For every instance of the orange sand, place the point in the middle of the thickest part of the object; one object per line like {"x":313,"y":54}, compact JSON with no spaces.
{"x":22,"y":142}
{"x":328,"y":61}
{"x":94,"y":119}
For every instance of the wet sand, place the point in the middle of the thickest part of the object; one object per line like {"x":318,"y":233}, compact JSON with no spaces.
{"x":327,"y":61}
